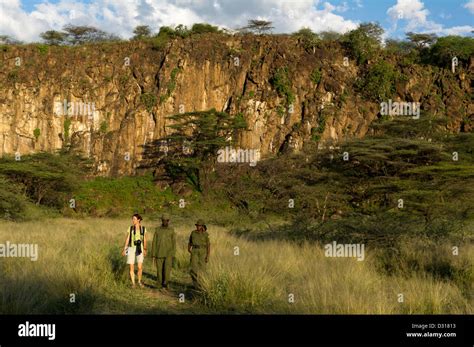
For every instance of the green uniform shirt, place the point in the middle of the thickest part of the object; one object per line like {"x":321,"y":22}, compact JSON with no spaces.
{"x":199,"y":239}
{"x":164,"y":242}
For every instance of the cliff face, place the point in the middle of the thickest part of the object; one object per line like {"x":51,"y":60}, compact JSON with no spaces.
{"x":129,"y":89}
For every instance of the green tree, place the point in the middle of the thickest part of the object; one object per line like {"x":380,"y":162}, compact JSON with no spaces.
{"x":258,"y":26}
{"x":448,"y":47}
{"x":193,"y":146}
{"x":201,"y":28}
{"x":421,"y":40}
{"x":364,"y":41}
{"x":80,"y":34}
{"x":308,"y":38}
{"x":46,"y":178}
{"x":378,"y":83}
{"x":141,"y":31}
{"x":53,"y":37}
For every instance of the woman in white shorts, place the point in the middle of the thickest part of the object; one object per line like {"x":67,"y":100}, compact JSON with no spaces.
{"x":135,"y":248}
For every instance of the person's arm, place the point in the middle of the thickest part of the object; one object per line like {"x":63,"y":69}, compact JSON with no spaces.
{"x":173,"y":239}
{"x":126,"y":245}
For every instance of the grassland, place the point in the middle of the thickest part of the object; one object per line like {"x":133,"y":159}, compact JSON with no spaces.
{"x":82,"y":257}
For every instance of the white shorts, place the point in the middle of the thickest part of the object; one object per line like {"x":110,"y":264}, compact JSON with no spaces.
{"x":131,"y":257}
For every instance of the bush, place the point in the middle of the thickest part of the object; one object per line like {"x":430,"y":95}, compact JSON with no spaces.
{"x":149,"y":100}
{"x":443,"y":51}
{"x":316,"y":76}
{"x":12,"y":202}
{"x":45,"y":178}
{"x":201,"y":28}
{"x":378,"y":83}
{"x":364,"y":41}
{"x":282,"y":84}
{"x":121,"y":196}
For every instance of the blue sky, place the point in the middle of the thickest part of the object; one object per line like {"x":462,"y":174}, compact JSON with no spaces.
{"x":25,"y":19}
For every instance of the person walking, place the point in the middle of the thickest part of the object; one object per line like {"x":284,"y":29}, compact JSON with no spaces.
{"x":200,"y":248}
{"x":163,"y":251}
{"x":135,"y":248}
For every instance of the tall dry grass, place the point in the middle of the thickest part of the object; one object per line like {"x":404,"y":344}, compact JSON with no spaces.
{"x":82,"y":257}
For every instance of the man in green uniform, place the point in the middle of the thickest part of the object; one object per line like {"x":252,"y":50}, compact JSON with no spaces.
{"x":163,"y":251}
{"x":200,"y":248}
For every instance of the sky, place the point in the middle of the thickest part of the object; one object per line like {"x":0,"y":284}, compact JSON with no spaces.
{"x":25,"y":19}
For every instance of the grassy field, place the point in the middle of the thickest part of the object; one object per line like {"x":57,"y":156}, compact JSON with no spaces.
{"x":82,"y":257}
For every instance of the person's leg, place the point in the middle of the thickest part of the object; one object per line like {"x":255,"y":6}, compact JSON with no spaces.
{"x":159,"y":275}
{"x":140,"y":270}
{"x":132,"y":273}
{"x":167,"y":272}
{"x":194,"y":268}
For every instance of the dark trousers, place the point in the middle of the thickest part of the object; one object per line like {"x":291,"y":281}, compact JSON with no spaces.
{"x":163,"y":266}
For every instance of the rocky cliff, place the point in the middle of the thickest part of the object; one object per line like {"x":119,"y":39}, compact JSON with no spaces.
{"x":121,"y":94}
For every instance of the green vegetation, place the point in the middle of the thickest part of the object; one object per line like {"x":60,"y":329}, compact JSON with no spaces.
{"x":43,"y":179}
{"x":257,"y":26}
{"x":141,"y":32}
{"x":36,"y":133}
{"x":77,"y":35}
{"x":67,"y":128}
{"x":316,"y":76}
{"x":282,"y":84}
{"x":204,"y":132}
{"x":201,"y":28}
{"x":378,"y":83}
{"x":43,"y":49}
{"x":170,"y":87}
{"x":364,"y":42}
{"x":448,"y":47}
{"x":149,"y":100}
{"x":119,"y":197}
{"x":309,"y":39}
{"x":104,"y":127}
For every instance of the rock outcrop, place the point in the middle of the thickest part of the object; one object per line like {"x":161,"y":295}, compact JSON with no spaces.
{"x":123,"y":92}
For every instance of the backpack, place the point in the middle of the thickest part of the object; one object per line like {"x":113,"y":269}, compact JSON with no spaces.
{"x":142,"y":236}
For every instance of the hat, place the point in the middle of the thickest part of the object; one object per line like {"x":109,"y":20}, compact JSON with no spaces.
{"x":200,"y":222}
{"x":165,"y":216}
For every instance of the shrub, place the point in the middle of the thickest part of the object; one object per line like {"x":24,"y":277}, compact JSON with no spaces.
{"x":378,"y":83}
{"x":149,"y":100}
{"x":282,"y":84}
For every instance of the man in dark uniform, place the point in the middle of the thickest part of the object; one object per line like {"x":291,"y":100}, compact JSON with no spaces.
{"x":163,"y":251}
{"x":200,"y":248}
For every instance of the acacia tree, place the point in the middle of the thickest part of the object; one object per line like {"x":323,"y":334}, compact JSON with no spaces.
{"x":421,"y":40}
{"x":259,"y":26}
{"x":53,"y":37}
{"x":141,"y":32}
{"x":190,"y":152}
{"x":81,"y":34}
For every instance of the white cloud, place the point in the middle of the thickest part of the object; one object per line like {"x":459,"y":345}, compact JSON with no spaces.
{"x":412,"y":11}
{"x":415,"y":16}
{"x":121,"y":16}
{"x":470,"y":6}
